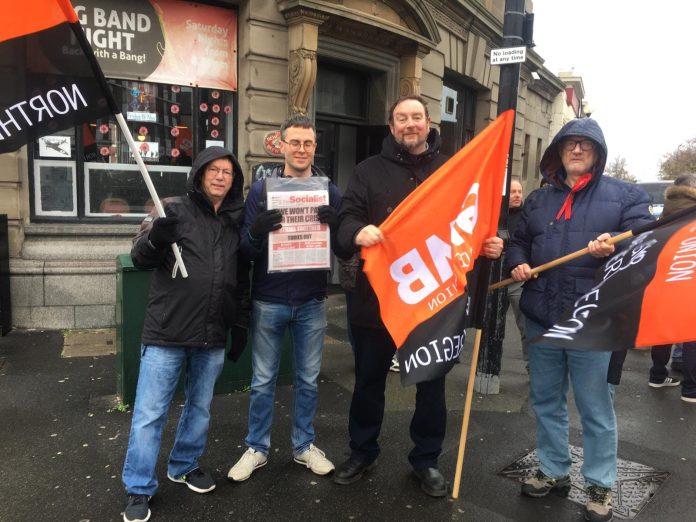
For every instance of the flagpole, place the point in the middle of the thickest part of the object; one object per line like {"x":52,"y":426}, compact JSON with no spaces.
{"x":561,"y":260}
{"x":116,"y":110}
{"x":150,"y":187}
{"x":467,"y":414}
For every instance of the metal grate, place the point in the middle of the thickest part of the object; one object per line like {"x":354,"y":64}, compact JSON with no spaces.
{"x":635,"y":483}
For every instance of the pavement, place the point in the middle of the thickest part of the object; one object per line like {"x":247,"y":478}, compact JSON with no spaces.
{"x":64,"y":435}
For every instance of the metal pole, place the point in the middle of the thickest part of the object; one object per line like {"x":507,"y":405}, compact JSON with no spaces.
{"x":488,"y":374}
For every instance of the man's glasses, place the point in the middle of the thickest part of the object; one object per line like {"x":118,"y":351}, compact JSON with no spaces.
{"x":585,"y":145}
{"x":217,"y":170}
{"x":295,"y":145}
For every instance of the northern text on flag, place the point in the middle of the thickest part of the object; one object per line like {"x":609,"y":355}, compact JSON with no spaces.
{"x":41,"y":108}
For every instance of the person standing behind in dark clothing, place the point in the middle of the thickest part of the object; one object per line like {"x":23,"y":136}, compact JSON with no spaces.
{"x":514,"y":291}
{"x":186,"y":323}
{"x":679,"y":196}
{"x":580,"y":207}
{"x":410,"y":154}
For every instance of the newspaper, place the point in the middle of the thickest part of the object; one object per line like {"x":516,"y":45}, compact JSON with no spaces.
{"x":302,"y":243}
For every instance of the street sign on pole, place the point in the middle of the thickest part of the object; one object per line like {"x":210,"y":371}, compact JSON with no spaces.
{"x":508,"y":55}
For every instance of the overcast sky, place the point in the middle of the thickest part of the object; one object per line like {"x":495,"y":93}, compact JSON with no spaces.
{"x":638,"y":67}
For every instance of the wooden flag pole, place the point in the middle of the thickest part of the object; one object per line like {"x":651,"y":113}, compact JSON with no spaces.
{"x":467,"y":414}
{"x":561,"y":260}
{"x":150,"y":187}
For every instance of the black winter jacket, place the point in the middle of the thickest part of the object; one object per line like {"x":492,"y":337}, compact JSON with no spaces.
{"x":376,"y":188}
{"x":197,"y":311}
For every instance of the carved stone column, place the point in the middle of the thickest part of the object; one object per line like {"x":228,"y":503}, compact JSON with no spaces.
{"x":411,"y":73}
{"x":303,"y":38}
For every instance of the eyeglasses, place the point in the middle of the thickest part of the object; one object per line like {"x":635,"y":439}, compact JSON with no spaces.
{"x":570,"y":144}
{"x":295,"y":145}
{"x":218,"y":170}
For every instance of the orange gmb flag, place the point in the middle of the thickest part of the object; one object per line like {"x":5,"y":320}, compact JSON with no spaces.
{"x":51,"y":79}
{"x":434,"y":236}
{"x":642,"y":296}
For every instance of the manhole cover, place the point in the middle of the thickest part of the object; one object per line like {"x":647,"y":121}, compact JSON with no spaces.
{"x":635,"y":483}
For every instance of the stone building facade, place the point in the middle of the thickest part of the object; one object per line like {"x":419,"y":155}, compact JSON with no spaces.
{"x":342,"y":62}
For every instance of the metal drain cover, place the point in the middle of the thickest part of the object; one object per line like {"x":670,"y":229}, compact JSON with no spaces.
{"x":635,"y":483}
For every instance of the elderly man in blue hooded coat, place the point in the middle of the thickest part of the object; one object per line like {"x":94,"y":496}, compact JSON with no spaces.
{"x":579,"y":207}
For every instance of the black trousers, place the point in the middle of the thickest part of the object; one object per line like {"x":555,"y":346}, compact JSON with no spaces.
{"x":660,"y":357}
{"x":374,"y":349}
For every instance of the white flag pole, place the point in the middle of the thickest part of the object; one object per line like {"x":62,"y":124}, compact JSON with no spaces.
{"x":150,"y":187}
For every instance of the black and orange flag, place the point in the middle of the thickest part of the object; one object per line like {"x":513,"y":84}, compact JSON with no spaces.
{"x":50,"y":77}
{"x":643,"y":295}
{"x":431,"y":241}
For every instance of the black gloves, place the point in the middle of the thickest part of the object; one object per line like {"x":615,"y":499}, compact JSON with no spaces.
{"x":327,"y":214}
{"x":164,"y":232}
{"x":239,"y":341}
{"x":265,"y":222}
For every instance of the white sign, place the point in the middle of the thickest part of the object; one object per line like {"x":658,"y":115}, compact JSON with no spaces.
{"x":508,"y":55}
{"x":54,"y":146}
{"x":142,"y":116}
{"x":302,"y":243}
{"x":149,"y":150}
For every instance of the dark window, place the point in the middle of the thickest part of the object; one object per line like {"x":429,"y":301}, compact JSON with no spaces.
{"x":457,"y":127}
{"x":340,"y":93}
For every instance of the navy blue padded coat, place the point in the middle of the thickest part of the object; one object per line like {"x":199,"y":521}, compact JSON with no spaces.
{"x":604,"y":205}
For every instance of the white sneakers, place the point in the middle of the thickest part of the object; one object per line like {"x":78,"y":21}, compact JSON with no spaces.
{"x":250,"y":461}
{"x":313,"y":458}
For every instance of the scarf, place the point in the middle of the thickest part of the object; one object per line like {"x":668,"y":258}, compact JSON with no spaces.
{"x":568,"y":203}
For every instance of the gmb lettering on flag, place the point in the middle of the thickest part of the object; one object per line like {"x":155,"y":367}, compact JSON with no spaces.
{"x":50,"y":82}
{"x":431,"y":241}
{"x":642,"y":295}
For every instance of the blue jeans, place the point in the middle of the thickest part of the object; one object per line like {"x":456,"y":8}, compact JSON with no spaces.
{"x":550,"y":372}
{"x":160,"y":367}
{"x":307,"y":324}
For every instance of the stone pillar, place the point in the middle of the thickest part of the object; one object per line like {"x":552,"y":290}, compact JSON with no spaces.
{"x":303,"y":38}
{"x":411,"y":67}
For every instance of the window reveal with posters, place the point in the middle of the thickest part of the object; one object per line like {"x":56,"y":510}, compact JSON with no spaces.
{"x":302,"y":243}
{"x":176,"y":93}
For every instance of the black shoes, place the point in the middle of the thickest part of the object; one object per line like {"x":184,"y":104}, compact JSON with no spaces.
{"x":351,"y":471}
{"x":137,"y":509}
{"x":196,"y":480}
{"x":432,"y":482}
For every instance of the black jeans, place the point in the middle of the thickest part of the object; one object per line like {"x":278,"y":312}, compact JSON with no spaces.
{"x":660,"y":357}
{"x":374,"y":349}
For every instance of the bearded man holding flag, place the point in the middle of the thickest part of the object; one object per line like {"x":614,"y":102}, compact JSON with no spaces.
{"x":578,"y":207}
{"x":410,"y":155}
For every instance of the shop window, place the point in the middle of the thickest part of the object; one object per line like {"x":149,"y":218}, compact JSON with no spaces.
{"x":89,"y":172}
{"x":56,"y":189}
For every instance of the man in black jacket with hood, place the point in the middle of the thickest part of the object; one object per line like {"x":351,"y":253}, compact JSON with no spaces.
{"x":410,"y":154}
{"x":186,"y":322}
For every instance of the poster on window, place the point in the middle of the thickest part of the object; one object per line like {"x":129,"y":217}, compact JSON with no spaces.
{"x":54,"y":147}
{"x":163,"y":41}
{"x":149,"y":150}
{"x":302,"y":243}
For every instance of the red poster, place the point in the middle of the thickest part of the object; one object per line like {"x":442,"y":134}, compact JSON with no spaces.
{"x":200,"y":45}
{"x":163,"y":41}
